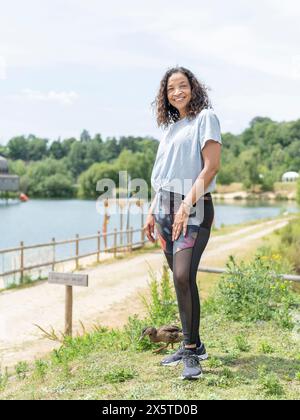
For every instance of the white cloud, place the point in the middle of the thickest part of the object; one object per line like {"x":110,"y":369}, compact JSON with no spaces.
{"x":63,"y":98}
{"x":3,"y":74}
{"x":296,"y":67}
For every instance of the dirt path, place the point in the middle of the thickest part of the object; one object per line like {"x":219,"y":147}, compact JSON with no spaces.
{"x":112,"y":293}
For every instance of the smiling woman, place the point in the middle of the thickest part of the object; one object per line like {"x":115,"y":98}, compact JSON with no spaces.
{"x":180,"y":94}
{"x":183,"y":176}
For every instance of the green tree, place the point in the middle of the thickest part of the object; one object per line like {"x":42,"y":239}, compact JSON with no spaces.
{"x":111,"y":149}
{"x":87,"y":181}
{"x":37,"y":148}
{"x":56,"y":150}
{"x":85,"y":136}
{"x":18,"y":148}
{"x":57,"y":186}
{"x":4,"y":151}
{"x":67,"y":144}
{"x":49,"y":178}
{"x":94,"y":152}
{"x":77,"y":158}
{"x":98,"y":138}
{"x":17,"y":167}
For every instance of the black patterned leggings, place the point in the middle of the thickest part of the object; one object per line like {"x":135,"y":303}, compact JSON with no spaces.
{"x":184,"y":254}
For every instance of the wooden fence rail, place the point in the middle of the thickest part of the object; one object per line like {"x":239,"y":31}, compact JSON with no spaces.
{"x":288,"y":277}
{"x":129,"y":246}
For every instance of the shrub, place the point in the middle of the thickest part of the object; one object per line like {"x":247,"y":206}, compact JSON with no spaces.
{"x":41,"y":368}
{"x":22,"y":368}
{"x":290,"y":243}
{"x":254,"y":292}
{"x":162,"y":308}
{"x":133,"y":330}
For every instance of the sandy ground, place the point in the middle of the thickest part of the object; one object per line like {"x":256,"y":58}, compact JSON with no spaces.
{"x":112,"y":295}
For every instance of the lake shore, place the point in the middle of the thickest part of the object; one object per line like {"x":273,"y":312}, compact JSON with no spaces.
{"x":271,"y":197}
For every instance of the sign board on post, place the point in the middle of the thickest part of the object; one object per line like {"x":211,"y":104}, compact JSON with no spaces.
{"x":68,"y":280}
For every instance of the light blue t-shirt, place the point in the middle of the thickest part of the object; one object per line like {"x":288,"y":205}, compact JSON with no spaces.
{"x":179,"y":160}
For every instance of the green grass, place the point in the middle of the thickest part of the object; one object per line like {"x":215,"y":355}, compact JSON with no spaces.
{"x":103,"y":371}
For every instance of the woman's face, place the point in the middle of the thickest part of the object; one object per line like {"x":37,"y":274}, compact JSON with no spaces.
{"x":179,"y":92}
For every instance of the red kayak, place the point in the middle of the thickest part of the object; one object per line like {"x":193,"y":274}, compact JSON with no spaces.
{"x":23,"y":197}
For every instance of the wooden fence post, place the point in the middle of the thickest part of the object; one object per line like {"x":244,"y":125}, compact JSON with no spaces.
{"x":77,"y":251}
{"x":115,"y":242}
{"x":98,"y":246}
{"x":131,"y":238}
{"x":53,"y":254}
{"x":22,"y":262}
{"x":69,"y":311}
{"x":121,"y":226}
{"x":142,"y":230}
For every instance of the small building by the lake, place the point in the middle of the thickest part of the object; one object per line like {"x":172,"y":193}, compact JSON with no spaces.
{"x":7,"y":182}
{"x":290,"y":177}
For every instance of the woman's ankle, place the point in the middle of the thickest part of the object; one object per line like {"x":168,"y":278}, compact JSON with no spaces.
{"x":190,"y":346}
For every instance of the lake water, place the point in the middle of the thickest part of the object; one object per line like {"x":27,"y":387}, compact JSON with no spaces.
{"x":38,"y":221}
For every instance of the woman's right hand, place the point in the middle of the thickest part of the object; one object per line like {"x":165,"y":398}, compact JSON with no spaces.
{"x":149,"y":227}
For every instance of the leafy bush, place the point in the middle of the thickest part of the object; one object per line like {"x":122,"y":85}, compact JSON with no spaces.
{"x":133,"y":330}
{"x":290,"y":243}
{"x":254,"y":292}
{"x":162,"y":308}
{"x":41,"y":368}
{"x":22,"y":368}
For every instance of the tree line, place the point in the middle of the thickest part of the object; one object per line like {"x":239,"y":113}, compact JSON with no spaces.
{"x":71,"y":167}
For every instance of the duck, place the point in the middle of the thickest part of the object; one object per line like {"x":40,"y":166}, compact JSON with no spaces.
{"x":168,"y":334}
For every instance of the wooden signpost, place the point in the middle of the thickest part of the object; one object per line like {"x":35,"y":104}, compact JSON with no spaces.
{"x":68,"y":280}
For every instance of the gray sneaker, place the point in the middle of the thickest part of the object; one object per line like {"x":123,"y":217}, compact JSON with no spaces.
{"x":192,"y":368}
{"x":175,"y":358}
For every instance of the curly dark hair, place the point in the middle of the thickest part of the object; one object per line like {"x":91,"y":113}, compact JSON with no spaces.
{"x":165,"y":112}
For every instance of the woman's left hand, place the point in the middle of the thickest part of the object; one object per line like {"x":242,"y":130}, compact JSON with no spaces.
{"x":180,"y":222}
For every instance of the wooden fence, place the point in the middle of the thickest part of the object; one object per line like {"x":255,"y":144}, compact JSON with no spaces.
{"x":129,"y":246}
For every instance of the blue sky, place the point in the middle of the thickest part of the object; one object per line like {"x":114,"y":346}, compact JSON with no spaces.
{"x":66,"y":65}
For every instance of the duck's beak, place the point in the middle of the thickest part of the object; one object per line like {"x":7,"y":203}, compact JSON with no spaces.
{"x":141,"y":337}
